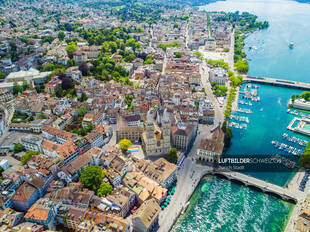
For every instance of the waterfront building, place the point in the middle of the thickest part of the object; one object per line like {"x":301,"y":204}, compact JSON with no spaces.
{"x":210,"y":150}
{"x":300,"y":103}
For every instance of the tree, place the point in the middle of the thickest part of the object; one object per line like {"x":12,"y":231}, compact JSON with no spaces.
{"x":61,"y":75}
{"x":66,"y":83}
{"x":177,"y":54}
{"x":199,"y":55}
{"x":17,"y":88}
{"x":242,"y":66}
{"x":83,"y":97}
{"x":92,"y":176}
{"x":61,"y":35}
{"x":125,"y":144}
{"x":71,"y":49}
{"x":173,"y":155}
{"x":227,"y":138}
{"x":305,"y":157}
{"x":82,"y":111}
{"x":42,"y":116}
{"x":2,"y":75}
{"x":104,"y":190}
{"x":27,"y":156}
{"x":25,"y":85}
{"x":293,"y":98}
{"x":83,"y":67}
{"x":18,"y":148}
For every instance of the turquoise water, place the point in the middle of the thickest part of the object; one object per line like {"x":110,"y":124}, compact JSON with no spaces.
{"x":306,"y":126}
{"x":217,"y":204}
{"x":221,"y":206}
{"x":265,"y":126}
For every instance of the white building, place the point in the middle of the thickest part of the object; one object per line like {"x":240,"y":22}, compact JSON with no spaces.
{"x":218,"y":75}
{"x":4,"y":164}
{"x":32,"y":142}
{"x":32,"y":76}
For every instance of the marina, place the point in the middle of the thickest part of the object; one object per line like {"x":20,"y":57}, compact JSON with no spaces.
{"x":237,"y":125}
{"x":300,"y":125}
{"x":295,"y":112}
{"x":239,"y":118}
{"x":286,"y":148}
{"x":293,"y":139}
{"x":241,"y":110}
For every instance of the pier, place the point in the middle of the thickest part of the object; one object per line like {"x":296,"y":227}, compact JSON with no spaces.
{"x":277,"y":82}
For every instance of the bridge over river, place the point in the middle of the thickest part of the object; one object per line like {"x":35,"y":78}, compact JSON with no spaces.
{"x":277,"y":82}
{"x":289,"y":193}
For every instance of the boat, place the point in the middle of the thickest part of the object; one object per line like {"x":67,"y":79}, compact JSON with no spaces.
{"x":261,"y":109}
{"x":291,"y":45}
{"x":185,"y":207}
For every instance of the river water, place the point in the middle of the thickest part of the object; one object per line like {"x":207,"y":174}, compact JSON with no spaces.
{"x":217,"y":204}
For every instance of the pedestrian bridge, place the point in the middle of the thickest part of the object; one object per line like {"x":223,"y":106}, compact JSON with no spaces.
{"x":277,"y":82}
{"x":283,"y":193}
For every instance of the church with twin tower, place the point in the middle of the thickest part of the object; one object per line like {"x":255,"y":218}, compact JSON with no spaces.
{"x":156,"y":137}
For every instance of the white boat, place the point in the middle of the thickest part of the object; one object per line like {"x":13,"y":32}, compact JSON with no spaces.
{"x":291,"y":45}
{"x":185,"y":207}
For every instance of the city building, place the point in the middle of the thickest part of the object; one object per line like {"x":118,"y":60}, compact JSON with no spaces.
{"x":145,"y":218}
{"x":157,"y":132}
{"x":218,"y":75}
{"x":129,"y":127}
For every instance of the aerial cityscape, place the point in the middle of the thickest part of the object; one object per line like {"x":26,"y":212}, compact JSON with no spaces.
{"x":145,"y":116}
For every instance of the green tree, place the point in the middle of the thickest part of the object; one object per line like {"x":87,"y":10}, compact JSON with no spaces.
{"x":177,"y":54}
{"x":42,"y":116}
{"x":61,"y":35}
{"x":92,"y":176}
{"x":149,"y":61}
{"x":293,"y":98}
{"x":18,"y":148}
{"x":17,"y":88}
{"x":71,"y":49}
{"x":25,"y":85}
{"x":242,"y":66}
{"x":125,"y":144}
{"x":104,"y":190}
{"x":199,"y":55}
{"x":83,"y":97}
{"x":173,"y":155}
{"x":82,"y":111}
{"x":27,"y":156}
{"x":305,"y":157}
{"x":2,"y":75}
